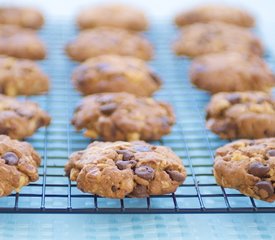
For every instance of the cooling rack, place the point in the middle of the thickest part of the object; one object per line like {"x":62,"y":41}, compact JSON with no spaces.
{"x":54,"y":193}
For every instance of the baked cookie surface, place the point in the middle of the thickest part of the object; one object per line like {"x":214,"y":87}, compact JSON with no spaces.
{"x":123,"y":116}
{"x":112,"y":15}
{"x":20,"y":119}
{"x":18,"y":165}
{"x":241,"y":115}
{"x":220,"y":13}
{"x":113,"y":73}
{"x":248,"y":166}
{"x":21,"y":43}
{"x":23,"y":17}
{"x":231,"y":71}
{"x":21,"y":77}
{"x":204,"y":38}
{"x":104,"y":40}
{"x":120,"y":169}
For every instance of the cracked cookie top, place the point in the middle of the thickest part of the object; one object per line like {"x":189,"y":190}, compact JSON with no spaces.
{"x":231,"y":71}
{"x":21,"y":77}
{"x":18,"y":165}
{"x":21,"y":43}
{"x":119,"y":169}
{"x":241,"y":115}
{"x":20,"y":119}
{"x":112,"y":15}
{"x":220,"y":13}
{"x":23,"y":17}
{"x":123,"y":116}
{"x":106,"y":40}
{"x":113,"y":73}
{"x":204,"y":38}
{"x":249,"y":166}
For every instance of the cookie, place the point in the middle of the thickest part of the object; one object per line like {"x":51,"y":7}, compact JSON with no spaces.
{"x":120,"y":169}
{"x":104,"y":40}
{"x":112,"y":15}
{"x":248,"y":166}
{"x":20,"y":119}
{"x":210,"y":13}
{"x":241,"y":115}
{"x":113,"y":73}
{"x":123,"y":116}
{"x":204,"y":38}
{"x":18,"y":165}
{"x":21,"y":43}
{"x":231,"y":71}
{"x":21,"y":16}
{"x":21,"y":77}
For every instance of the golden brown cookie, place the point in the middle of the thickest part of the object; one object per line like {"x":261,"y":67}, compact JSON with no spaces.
{"x":123,"y":116}
{"x":248,"y":166}
{"x":210,"y":13}
{"x":112,"y":15}
{"x":21,"y":77}
{"x":20,"y":119}
{"x":204,"y":38}
{"x":103,"y":40}
{"x":21,"y":43}
{"x":120,"y":169}
{"x":21,"y":16}
{"x":18,"y":165}
{"x":241,"y":115}
{"x":114,"y":73}
{"x":231,"y":71}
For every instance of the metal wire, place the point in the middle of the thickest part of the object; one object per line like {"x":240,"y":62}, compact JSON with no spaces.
{"x":55,"y":193}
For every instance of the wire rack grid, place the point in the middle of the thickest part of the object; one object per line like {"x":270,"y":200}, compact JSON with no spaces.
{"x":54,"y":193}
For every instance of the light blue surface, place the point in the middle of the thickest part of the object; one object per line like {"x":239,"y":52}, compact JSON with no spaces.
{"x":151,"y":227}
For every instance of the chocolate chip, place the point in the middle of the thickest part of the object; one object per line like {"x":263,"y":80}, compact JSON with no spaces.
{"x":145,"y":172}
{"x":24,"y":112}
{"x":176,"y":176}
{"x":258,"y":169}
{"x":234,"y":98}
{"x":264,"y":189}
{"x":199,"y":68}
{"x":139,"y":191}
{"x":5,"y":130}
{"x":224,"y":127}
{"x":103,"y":66}
{"x":271,"y":153}
{"x":156,"y":78}
{"x":127,"y":155}
{"x":121,"y":165}
{"x":142,"y":148}
{"x":261,"y":100}
{"x":10,"y":158}
{"x":108,"y":109}
{"x":114,"y":188}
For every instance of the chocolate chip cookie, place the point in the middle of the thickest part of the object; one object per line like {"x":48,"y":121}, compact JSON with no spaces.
{"x":21,"y":43}
{"x":231,"y":71}
{"x":21,"y":77}
{"x":210,"y":13}
{"x":203,"y":38}
{"x":248,"y":166}
{"x":106,"y":40}
{"x":113,"y":73}
{"x":112,"y":15}
{"x":123,"y":116}
{"x":241,"y":115}
{"x":21,"y":16}
{"x":18,"y":165}
{"x":120,"y":169}
{"x":20,"y":119}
